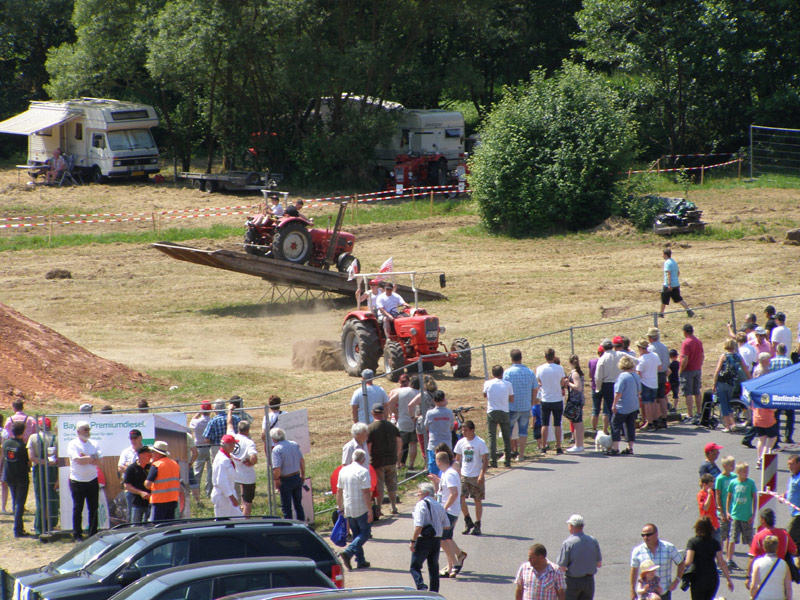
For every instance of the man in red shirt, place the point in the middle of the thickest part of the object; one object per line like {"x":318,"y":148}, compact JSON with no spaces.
{"x":767,"y":527}
{"x":690,"y":370}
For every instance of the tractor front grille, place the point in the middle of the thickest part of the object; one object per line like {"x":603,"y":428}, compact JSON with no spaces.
{"x":432,"y":329}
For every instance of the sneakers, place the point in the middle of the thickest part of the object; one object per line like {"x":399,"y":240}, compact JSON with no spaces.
{"x":575,"y":449}
{"x":690,"y":313}
{"x":696,"y":420}
{"x":559,"y":451}
{"x":687,"y":420}
{"x":364,"y":565}
{"x":732,"y":565}
{"x":660,"y":315}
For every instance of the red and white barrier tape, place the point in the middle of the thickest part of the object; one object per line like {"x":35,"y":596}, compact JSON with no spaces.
{"x":781,"y":499}
{"x":705,"y":167}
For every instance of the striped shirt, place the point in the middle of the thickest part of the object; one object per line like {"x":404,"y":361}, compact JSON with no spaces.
{"x":664,"y":555}
{"x":779,"y":362}
{"x":524,"y":381}
{"x":540,"y":587}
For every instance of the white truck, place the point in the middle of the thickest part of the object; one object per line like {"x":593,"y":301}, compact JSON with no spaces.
{"x":102,"y":138}
{"x":419,"y":132}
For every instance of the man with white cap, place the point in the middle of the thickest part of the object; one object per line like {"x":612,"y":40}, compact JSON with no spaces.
{"x":361,"y":406}
{"x":84,"y":456}
{"x":164,"y":482}
{"x":223,"y":476}
{"x":579,"y":559}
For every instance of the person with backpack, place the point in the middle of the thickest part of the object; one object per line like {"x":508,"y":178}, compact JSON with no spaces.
{"x":730,"y":370}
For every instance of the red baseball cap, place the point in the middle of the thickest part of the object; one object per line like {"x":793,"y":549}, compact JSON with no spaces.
{"x":712,"y":446}
{"x":617,"y":341}
{"x":206,"y":406}
{"x":228,"y":439}
{"x":600,"y":349}
{"x":46,"y":421}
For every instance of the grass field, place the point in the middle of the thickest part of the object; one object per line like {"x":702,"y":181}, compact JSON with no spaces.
{"x":211,"y":334}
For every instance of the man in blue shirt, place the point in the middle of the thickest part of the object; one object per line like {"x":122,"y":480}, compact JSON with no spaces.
{"x":793,"y":495}
{"x":524,"y":382}
{"x":672,"y":286}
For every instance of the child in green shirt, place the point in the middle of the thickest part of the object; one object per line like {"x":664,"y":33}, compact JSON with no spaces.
{"x":740,"y":507}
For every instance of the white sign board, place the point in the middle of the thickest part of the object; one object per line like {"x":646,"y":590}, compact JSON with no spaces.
{"x":295,"y":424}
{"x":109,"y":432}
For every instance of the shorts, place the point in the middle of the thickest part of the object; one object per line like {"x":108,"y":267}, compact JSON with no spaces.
{"x":552,"y":408}
{"x":470,"y":488}
{"x":447,"y":534}
{"x":389,"y":475}
{"x":432,"y":468}
{"x":607,"y":392}
{"x":690,"y":383}
{"x":674,"y":294}
{"x":597,"y":403}
{"x":741,"y":529}
{"x":724,"y":530}
{"x":193,"y":485}
{"x":408,"y":437}
{"x":661,"y":392}
{"x":770,"y":432}
{"x":521,"y":418}
{"x":648,"y":395}
{"x":248,"y":492}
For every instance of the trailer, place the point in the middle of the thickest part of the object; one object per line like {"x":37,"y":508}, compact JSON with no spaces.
{"x":235,"y":181}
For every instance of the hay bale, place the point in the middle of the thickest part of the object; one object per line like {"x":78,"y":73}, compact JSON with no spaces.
{"x":58,"y":274}
{"x":317,"y":355}
{"x":793,"y":234}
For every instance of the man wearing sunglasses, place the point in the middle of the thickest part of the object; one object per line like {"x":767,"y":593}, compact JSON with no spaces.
{"x":663,"y":554}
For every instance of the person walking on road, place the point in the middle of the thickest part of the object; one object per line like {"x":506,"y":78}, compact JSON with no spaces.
{"x":579,"y":559}
{"x":671,"y":290}
{"x":705,"y":552}
{"x":538,"y":578}
{"x":663,"y":554}
{"x":354,"y":499}
{"x":450,"y":495}
{"x":471,"y":452}
{"x":430,"y":522}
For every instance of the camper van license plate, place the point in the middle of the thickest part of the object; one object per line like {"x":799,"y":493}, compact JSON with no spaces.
{"x":137,"y":173}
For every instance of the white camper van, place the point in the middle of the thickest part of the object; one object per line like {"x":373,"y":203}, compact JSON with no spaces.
{"x":103,"y":138}
{"x":432,"y":131}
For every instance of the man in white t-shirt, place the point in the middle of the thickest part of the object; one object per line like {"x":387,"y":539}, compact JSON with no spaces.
{"x":388,"y":305}
{"x":471,"y":452}
{"x":781,"y":334}
{"x":361,"y":410}
{"x":449,"y":483}
{"x":84,"y":458}
{"x":245,"y":456}
{"x":498,"y":394}
{"x":552,"y":380}
{"x":647,"y":367}
{"x":353,"y":498}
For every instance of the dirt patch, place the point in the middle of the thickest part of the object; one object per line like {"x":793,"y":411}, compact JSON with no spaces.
{"x":318,"y":355}
{"x":614,"y":227}
{"x":39,"y":363}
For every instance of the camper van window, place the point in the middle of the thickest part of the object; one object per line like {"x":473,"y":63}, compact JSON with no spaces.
{"x":78,"y":131}
{"x":130,"y":139}
{"x":128,"y":115}
{"x":98,"y":141}
{"x":451,"y":133}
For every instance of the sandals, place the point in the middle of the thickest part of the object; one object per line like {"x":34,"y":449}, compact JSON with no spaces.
{"x":627,"y":451}
{"x":457,"y":568}
{"x":444,"y":573}
{"x":612,"y":452}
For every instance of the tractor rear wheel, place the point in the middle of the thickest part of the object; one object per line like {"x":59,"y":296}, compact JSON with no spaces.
{"x":361,"y":348}
{"x":292,"y":243}
{"x":393,"y":360}
{"x":463,"y":364}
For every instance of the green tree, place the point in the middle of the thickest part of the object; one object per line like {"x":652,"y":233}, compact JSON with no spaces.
{"x":550,"y":153}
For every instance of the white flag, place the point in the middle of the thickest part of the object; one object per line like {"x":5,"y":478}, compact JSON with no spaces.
{"x":388,"y":266}
{"x":352,"y":270}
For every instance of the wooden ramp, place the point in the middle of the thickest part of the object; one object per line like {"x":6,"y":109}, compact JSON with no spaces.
{"x":280,"y":272}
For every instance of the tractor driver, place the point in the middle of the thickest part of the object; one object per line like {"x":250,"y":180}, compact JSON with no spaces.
{"x":294,"y":210}
{"x":389,"y":305}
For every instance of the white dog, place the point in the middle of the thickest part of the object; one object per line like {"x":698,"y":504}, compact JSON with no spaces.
{"x":602,"y":442}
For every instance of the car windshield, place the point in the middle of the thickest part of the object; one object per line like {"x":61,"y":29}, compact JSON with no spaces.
{"x":82,"y":554}
{"x":109,"y":563}
{"x":130,"y":139}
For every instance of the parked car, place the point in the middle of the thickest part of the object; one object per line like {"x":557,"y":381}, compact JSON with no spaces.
{"x":372,"y":593}
{"x":190,"y":542}
{"x":79,"y":556}
{"x":210,"y":580}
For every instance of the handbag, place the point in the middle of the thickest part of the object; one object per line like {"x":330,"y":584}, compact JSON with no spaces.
{"x":794,"y":573}
{"x":339,"y":532}
{"x":572,"y":408}
{"x":428,"y":531}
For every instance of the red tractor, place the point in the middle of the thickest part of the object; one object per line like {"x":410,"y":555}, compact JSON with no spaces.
{"x":289,"y":238}
{"x":415,"y":335}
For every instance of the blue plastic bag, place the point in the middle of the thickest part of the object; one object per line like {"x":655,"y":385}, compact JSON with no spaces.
{"x":339,"y":533}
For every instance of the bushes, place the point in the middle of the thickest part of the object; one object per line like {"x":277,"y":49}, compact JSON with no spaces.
{"x":550,"y":153}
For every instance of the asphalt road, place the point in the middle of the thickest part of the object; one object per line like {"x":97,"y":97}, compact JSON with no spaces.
{"x":531,"y":503}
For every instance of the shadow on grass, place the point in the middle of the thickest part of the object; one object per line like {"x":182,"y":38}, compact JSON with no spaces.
{"x":278,"y":309}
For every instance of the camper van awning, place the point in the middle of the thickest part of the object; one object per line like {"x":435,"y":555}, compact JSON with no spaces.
{"x":35,"y":119}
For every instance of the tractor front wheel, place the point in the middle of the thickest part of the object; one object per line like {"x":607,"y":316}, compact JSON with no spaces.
{"x":253,"y":243}
{"x":393,"y":360}
{"x":361,"y":348}
{"x":292,"y":243}
{"x":344,"y":261}
{"x":463,"y":364}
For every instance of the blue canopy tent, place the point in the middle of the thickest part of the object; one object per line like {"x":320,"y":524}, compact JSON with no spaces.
{"x":779,"y":389}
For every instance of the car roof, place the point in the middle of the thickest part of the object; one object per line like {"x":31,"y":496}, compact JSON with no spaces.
{"x":191,"y":525}
{"x":335,"y":594}
{"x":231,"y":566}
